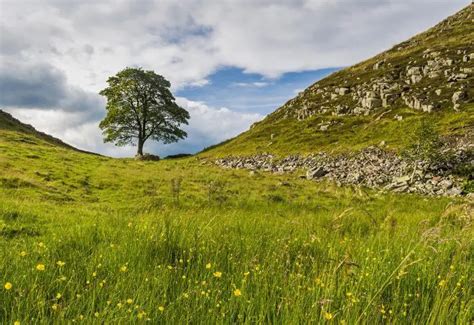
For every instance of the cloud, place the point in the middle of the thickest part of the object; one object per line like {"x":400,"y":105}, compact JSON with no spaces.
{"x":190,"y":39}
{"x":42,"y":86}
{"x":208,"y":126}
{"x":256,"y":84}
{"x":56,"y":55}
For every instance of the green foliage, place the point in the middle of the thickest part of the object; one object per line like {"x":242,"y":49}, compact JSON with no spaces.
{"x":298,"y":251}
{"x":140,"y":106}
{"x":468,"y":186}
{"x":427,"y":144}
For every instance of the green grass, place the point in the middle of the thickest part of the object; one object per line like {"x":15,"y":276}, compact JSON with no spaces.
{"x":298,"y":251}
{"x":350,"y":133}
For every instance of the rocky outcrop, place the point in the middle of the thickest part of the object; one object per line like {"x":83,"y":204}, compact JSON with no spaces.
{"x":372,"y":167}
{"x":409,"y":75}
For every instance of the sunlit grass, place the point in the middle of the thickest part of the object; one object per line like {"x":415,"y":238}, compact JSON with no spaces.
{"x":96,"y":240}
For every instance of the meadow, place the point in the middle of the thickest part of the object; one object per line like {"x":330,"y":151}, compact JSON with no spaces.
{"x":94,"y":240}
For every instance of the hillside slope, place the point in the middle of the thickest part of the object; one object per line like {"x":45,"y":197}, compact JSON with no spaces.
{"x":89,"y":239}
{"x":430,"y":76}
{"x":15,"y":127}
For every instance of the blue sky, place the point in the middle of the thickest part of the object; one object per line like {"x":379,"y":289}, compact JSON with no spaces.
{"x":251,"y":92}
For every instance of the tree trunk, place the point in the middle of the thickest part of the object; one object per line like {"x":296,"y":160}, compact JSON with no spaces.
{"x":141,"y":142}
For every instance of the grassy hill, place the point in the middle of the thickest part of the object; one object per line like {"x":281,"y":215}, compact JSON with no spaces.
{"x":95,"y":240}
{"x":430,"y":76}
{"x":92,"y":239}
{"x":9,"y":123}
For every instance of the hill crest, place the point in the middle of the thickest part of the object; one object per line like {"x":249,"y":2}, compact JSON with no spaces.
{"x":9,"y":123}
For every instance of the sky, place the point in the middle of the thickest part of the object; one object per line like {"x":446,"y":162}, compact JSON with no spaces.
{"x":230,"y":62}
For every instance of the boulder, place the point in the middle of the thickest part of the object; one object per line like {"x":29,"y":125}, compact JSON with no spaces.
{"x":147,"y":157}
{"x":343,"y":91}
{"x":459,"y":96}
{"x":316,"y":173}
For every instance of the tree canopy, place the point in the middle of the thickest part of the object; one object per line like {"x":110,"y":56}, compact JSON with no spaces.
{"x":140,"y":106}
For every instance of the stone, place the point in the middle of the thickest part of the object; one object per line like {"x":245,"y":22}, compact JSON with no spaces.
{"x":378,"y":65}
{"x":459,"y":96}
{"x":147,"y":157}
{"x":373,"y":167}
{"x":402,"y":179}
{"x":416,"y":78}
{"x":428,"y":108}
{"x":316,"y":173}
{"x":343,"y":91}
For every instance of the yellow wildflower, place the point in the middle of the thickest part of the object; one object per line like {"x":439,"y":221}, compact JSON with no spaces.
{"x":60,"y":263}
{"x":208,"y":266}
{"x":55,"y":307}
{"x":237,"y":292}
{"x":58,"y":295}
{"x":129,"y":301}
{"x":161,"y":308}
{"x":23,"y":253}
{"x":123,"y":268}
{"x":442,"y":283}
{"x":8,"y":286}
{"x":17,"y":322}
{"x":217,"y":274}
{"x":40,"y":267}
{"x":328,"y":316}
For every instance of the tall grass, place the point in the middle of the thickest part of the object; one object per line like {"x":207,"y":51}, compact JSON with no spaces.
{"x":121,"y":244}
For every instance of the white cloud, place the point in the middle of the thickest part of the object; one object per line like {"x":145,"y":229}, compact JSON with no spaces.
{"x":84,"y":42}
{"x":189,"y":39}
{"x":256,"y":84}
{"x":208,"y":126}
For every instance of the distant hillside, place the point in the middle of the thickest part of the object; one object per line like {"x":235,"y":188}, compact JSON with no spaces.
{"x":430,"y":76}
{"x":9,"y":123}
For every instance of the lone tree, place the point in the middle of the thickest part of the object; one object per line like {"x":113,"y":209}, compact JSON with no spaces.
{"x":140,"y":106}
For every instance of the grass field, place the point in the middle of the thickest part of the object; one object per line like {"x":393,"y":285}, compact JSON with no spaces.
{"x":97,"y":240}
